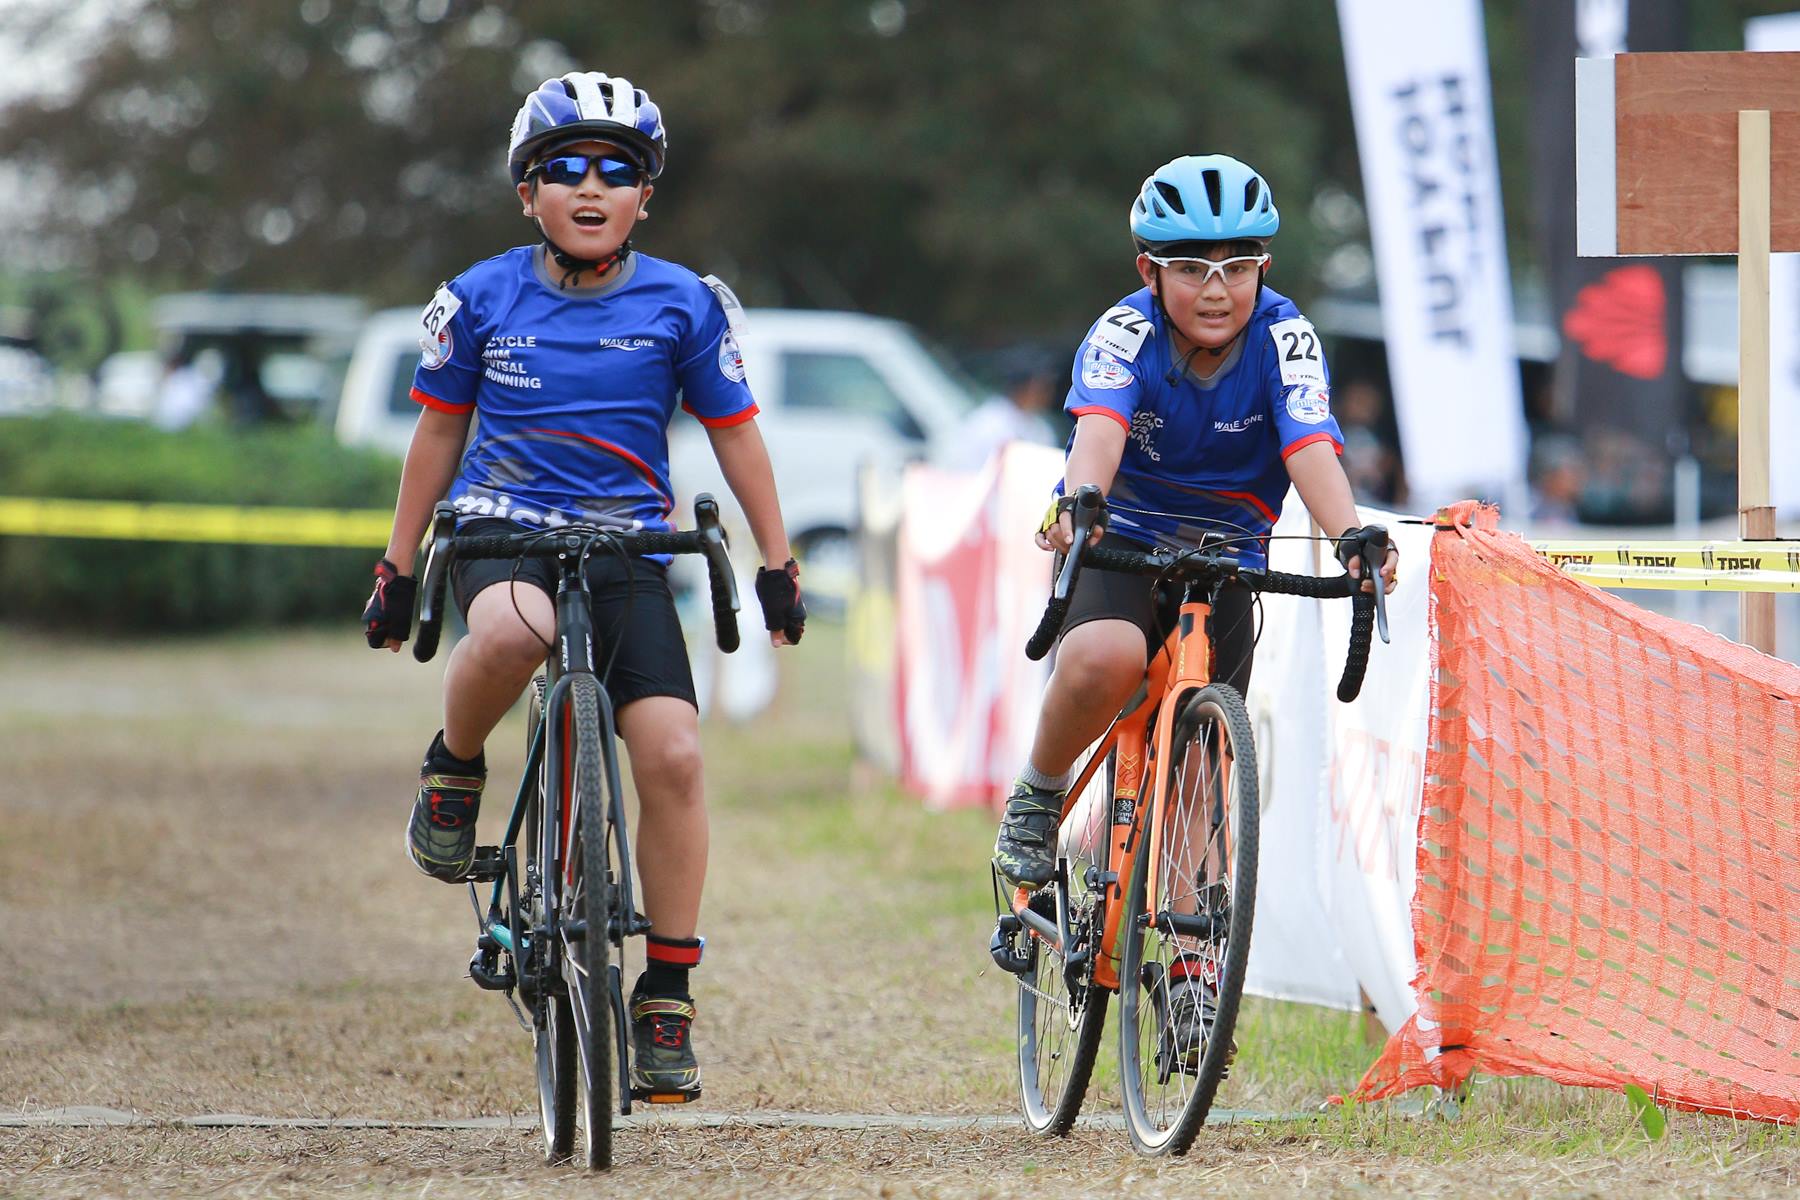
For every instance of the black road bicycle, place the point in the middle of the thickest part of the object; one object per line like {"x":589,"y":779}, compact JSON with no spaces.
{"x":546,"y":931}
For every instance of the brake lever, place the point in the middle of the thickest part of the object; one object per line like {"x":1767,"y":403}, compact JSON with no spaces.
{"x":1380,"y":549}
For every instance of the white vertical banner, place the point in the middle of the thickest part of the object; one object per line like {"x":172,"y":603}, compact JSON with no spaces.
{"x":1425,"y":133}
{"x":1377,"y":780}
{"x":1296,"y":953}
{"x":1782,"y":33}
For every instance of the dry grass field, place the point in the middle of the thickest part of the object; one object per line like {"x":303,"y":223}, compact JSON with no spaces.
{"x":204,"y":908}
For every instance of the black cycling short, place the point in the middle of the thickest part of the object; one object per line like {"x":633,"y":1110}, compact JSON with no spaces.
{"x":1109,"y":595}
{"x":635,"y":624}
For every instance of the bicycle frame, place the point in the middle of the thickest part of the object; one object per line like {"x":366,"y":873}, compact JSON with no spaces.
{"x":572,"y":654}
{"x":1180,"y":668}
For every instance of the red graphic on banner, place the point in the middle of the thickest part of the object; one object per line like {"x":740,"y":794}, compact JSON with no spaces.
{"x":1621,"y":320}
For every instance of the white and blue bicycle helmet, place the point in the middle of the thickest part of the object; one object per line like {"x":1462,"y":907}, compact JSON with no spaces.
{"x":1203,"y":198}
{"x":587,"y":104}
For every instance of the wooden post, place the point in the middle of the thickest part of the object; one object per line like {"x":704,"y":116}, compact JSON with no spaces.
{"x":1374,"y":1033}
{"x":1756,"y":518}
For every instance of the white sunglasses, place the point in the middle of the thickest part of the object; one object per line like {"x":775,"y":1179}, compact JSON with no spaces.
{"x":1232,"y":270}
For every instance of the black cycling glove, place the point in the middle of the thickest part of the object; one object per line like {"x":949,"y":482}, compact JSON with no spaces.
{"x":778,"y":591}
{"x":390,"y":611}
{"x":1359,"y":543}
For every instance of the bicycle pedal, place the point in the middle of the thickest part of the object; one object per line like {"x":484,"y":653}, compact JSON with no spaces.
{"x":649,"y":1097}
{"x":489,"y":865}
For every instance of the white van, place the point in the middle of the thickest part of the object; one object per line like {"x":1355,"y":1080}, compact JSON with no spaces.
{"x":836,"y":389}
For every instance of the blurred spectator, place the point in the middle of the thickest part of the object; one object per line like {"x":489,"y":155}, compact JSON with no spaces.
{"x":1558,"y":474}
{"x":184,"y":395}
{"x":1030,"y":377}
{"x":1371,"y":462}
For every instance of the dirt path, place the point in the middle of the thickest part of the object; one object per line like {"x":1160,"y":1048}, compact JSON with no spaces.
{"x":204,"y":908}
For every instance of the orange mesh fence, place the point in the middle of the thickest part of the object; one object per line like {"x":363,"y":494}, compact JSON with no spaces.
{"x":1609,"y":845}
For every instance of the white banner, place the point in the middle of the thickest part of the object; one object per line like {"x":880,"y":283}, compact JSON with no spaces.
{"x":1295,"y":952}
{"x":1782,"y":33}
{"x":1424,"y":130}
{"x":1341,"y":785}
{"x":1377,"y":778}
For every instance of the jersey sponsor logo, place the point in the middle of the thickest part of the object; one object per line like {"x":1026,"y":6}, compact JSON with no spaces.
{"x":1143,"y":434}
{"x":1237,"y":426}
{"x":1121,"y":331}
{"x":1309,"y":405}
{"x":626,"y":343}
{"x":500,"y":366}
{"x":1297,"y":352}
{"x":731,"y":359}
{"x":435,"y":340}
{"x":1102,"y":371}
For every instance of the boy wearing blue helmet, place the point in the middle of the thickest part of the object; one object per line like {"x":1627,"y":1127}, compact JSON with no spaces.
{"x":1198,"y":398}
{"x":574,"y":354}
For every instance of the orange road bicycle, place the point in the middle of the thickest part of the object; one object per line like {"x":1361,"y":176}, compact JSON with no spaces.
{"x":1155,"y":884}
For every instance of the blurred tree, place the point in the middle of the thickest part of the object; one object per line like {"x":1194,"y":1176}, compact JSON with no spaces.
{"x":965,"y":167}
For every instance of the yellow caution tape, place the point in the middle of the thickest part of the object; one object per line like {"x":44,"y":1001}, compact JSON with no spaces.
{"x":1772,"y":566}
{"x":356,"y":528}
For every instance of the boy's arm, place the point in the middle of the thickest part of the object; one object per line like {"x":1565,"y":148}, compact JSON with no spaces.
{"x":431,"y":458}
{"x":745,"y":461}
{"x":1325,"y":489}
{"x":1093,"y":458}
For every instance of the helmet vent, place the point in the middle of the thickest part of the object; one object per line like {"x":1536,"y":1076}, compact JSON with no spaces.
{"x":1171,"y":196}
{"x":1251,"y":189}
{"x":1210,"y":177}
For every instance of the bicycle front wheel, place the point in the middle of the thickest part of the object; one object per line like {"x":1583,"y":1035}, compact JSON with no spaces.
{"x":1061,"y":1012}
{"x":552,"y":1020}
{"x":1187,"y":918}
{"x":585,"y":903}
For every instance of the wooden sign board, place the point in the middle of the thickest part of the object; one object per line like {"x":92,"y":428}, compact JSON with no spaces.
{"x":1665,"y":128}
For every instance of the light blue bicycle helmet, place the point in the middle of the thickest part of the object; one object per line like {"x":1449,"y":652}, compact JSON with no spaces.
{"x":1203,"y":198}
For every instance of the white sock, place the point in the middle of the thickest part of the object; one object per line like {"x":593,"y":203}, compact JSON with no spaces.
{"x":1034,"y":778}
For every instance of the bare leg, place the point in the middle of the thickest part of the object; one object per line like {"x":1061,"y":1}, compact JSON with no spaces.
{"x":1098,"y":666}
{"x":662,"y":738}
{"x":490,"y":668}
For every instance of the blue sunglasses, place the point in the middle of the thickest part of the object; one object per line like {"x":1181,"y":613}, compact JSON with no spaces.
{"x":570,"y":169}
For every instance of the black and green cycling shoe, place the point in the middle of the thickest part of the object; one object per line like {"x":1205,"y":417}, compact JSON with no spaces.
{"x":1193,"y":1005}
{"x":663,"y":1067}
{"x":440,"y":838}
{"x":1025,"y":850}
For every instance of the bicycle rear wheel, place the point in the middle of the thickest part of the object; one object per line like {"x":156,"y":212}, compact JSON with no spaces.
{"x":1061,"y":1018}
{"x":585,"y":903}
{"x":552,"y":1021}
{"x":1186,"y":934}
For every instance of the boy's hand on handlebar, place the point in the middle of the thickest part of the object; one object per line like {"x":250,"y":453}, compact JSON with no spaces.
{"x":1352,"y":549}
{"x":1057,"y":532}
{"x":387,"y":621}
{"x":784,"y":613}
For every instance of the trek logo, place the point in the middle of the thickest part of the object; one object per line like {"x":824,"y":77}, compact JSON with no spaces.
{"x":1237,"y":426}
{"x":626,"y":343}
{"x":1728,"y":562}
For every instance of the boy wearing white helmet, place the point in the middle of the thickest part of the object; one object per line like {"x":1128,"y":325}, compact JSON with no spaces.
{"x":1198,"y":398}
{"x":574,"y":353}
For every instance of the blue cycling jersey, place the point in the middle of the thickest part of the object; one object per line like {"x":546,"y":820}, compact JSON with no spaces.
{"x":1204,"y":456}
{"x":573,"y":391}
